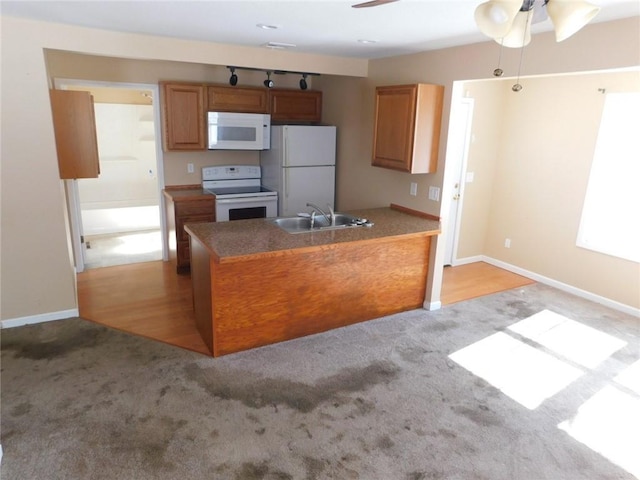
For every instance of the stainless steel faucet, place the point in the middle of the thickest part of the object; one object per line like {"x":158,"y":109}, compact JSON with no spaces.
{"x":330,"y":218}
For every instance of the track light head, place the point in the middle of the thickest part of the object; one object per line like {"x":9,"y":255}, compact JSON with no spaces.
{"x":268,"y":82}
{"x":233,"y":79}
{"x":303,"y":82}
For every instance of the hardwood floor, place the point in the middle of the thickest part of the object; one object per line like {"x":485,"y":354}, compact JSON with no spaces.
{"x":473,"y":280}
{"x":149,"y":299}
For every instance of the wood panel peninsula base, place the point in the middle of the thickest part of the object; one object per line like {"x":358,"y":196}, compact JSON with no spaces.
{"x":255,"y":284}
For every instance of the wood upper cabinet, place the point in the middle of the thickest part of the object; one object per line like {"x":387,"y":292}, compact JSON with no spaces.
{"x":183,"y":116}
{"x":295,"y":105}
{"x":74,"y":124}
{"x":406,"y":135}
{"x":237,"y":99}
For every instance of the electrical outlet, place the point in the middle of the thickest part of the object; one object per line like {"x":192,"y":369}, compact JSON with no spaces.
{"x":189,"y":167}
{"x":434,"y":193}
{"x":507,"y":243}
{"x":414,"y":189}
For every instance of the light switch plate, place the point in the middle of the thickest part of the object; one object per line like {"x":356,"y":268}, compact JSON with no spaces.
{"x":434,"y":193}
{"x":189,"y":167}
{"x":414,"y":189}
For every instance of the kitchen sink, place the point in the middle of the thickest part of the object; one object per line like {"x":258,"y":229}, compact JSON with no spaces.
{"x":303,"y":224}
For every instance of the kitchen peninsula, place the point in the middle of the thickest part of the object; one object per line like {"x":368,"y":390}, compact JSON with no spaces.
{"x":255,"y":284}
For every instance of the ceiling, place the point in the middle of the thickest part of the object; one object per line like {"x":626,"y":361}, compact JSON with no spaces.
{"x":328,"y":27}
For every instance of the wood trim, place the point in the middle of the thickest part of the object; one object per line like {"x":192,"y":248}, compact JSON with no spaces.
{"x":416,"y":213}
{"x":182,"y":187}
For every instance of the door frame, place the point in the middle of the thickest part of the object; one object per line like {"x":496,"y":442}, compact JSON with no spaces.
{"x":460,"y":137}
{"x":73,"y":200}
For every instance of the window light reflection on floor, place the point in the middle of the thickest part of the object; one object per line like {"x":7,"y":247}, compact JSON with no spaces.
{"x":523,"y":373}
{"x":630,"y":378}
{"x":579,"y":343}
{"x":608,"y":423}
{"x":136,"y":244}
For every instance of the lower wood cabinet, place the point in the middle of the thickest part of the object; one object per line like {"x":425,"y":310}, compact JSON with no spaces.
{"x":179,"y":212}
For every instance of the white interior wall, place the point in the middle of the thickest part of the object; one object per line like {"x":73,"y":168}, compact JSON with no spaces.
{"x":124,"y":197}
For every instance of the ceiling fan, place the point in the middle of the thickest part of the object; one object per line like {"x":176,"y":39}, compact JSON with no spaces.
{"x":372,"y":3}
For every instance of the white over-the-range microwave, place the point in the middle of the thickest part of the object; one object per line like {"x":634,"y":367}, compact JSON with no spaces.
{"x":239,"y":131}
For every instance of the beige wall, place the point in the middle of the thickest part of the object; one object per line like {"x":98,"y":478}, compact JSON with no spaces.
{"x":37,"y":277}
{"x":597,"y":47}
{"x":547,"y":140}
{"x":489,"y":100}
{"x":36,"y":272}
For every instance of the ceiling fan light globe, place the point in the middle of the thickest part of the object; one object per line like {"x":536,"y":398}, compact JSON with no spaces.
{"x":494,"y":18}
{"x":569,"y":16}
{"x":520,"y":34}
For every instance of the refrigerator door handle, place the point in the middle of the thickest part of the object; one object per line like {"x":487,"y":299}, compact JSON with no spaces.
{"x":286,"y":182}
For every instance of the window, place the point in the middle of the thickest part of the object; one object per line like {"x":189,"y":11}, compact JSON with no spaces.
{"x":610,"y":220}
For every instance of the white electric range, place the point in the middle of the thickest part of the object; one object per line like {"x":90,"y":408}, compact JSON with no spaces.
{"x":239,"y":192}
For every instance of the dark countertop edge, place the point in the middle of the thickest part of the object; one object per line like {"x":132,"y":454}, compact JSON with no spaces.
{"x":186,"y":193}
{"x":313,"y":248}
{"x":274,"y":253}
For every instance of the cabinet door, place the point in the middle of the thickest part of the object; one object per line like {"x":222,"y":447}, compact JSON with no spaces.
{"x":237,"y":99}
{"x":75,"y":131}
{"x":407,"y":127}
{"x":183,"y":117}
{"x":394,"y":127}
{"x":295,"y":105}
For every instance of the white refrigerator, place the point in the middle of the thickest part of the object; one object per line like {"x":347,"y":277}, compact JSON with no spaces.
{"x":300,"y":166}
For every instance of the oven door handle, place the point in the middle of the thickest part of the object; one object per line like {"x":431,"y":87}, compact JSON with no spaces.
{"x":223,"y":201}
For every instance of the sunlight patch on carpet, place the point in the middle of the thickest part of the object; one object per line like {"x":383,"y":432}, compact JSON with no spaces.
{"x":609,"y":423}
{"x":579,"y":343}
{"x":523,"y":373}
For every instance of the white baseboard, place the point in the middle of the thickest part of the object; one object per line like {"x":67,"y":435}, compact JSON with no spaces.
{"x":432,"y":306}
{"x":467,"y":260}
{"x":41,"y":318}
{"x":556,"y":284}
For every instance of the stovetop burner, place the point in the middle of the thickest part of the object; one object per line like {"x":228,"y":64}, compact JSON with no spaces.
{"x":234,"y":181}
{"x":225,"y":191}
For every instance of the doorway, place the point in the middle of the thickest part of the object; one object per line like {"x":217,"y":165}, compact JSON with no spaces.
{"x":456,"y":174}
{"x":117,"y":218}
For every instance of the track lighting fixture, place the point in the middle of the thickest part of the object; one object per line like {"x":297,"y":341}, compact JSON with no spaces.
{"x":268,"y":82}
{"x":233,"y":79}
{"x":303,"y":82}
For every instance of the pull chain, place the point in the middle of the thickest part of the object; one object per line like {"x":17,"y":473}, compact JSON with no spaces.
{"x":498,"y":71}
{"x":517,"y":87}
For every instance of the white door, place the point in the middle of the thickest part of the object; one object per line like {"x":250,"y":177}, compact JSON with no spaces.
{"x":461,"y":123}
{"x":309,"y":145}
{"x":75,"y":223}
{"x":306,"y":184}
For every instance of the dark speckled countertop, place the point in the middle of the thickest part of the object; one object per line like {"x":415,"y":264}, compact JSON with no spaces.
{"x":186,"y":193}
{"x":239,"y":239}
